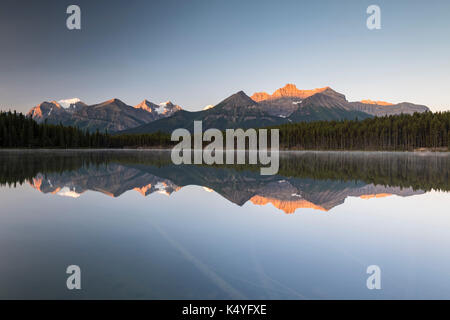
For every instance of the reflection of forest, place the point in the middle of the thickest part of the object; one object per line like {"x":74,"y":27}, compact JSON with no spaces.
{"x":319,"y":180}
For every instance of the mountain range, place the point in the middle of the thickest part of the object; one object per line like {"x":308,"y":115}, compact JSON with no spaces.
{"x":287,"y":104}
{"x":112,"y":115}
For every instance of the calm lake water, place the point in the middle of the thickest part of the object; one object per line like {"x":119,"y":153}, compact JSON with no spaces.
{"x":140,"y":227}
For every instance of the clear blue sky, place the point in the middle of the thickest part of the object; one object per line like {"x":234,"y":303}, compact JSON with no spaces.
{"x":196,"y":53}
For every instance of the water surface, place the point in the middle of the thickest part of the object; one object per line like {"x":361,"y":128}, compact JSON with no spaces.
{"x":140,"y":227}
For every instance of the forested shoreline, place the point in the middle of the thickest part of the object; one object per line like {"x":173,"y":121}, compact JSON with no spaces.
{"x":19,"y":131}
{"x":390,"y":133}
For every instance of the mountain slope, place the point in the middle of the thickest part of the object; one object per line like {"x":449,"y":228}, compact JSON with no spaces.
{"x":158,"y":111}
{"x":284,"y":101}
{"x":112,"y":115}
{"x":290,"y":90}
{"x":324,"y":107}
{"x":236,"y":111}
{"x":52,"y":111}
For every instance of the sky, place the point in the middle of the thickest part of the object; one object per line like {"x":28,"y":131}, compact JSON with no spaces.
{"x":196,"y":53}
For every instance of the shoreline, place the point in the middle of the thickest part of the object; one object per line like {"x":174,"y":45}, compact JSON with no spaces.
{"x":417,"y":151}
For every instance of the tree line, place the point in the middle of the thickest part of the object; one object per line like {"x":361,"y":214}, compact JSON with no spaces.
{"x":20,"y":131}
{"x":391,"y":133}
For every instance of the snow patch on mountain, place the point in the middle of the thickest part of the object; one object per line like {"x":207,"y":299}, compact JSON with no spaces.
{"x":65,"y":103}
{"x":162,"y":107}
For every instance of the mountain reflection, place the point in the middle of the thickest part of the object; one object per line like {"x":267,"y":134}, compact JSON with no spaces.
{"x":317,"y":180}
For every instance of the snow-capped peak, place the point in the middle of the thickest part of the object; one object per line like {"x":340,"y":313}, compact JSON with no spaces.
{"x":164,"y":107}
{"x":65,"y":103}
{"x":161,"y":109}
{"x":164,"y":104}
{"x":210,"y":106}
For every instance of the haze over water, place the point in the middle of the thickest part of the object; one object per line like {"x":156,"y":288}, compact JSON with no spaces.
{"x":140,"y":227}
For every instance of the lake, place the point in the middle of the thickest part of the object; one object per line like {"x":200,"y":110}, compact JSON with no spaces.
{"x":140,"y":227}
